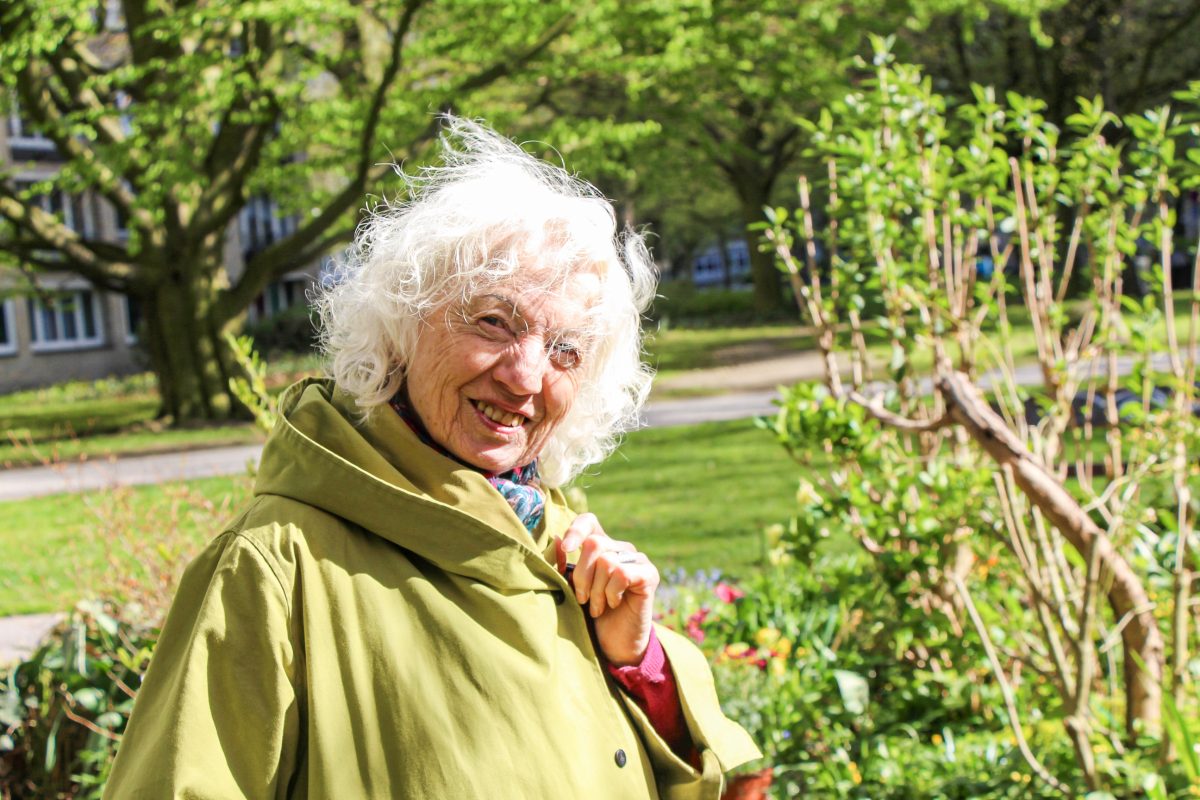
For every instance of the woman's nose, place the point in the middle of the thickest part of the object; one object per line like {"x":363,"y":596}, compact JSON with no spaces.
{"x":523,"y":367}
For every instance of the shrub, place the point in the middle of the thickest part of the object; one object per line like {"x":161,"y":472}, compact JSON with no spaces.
{"x":292,"y":330}
{"x":681,"y":303}
{"x":823,"y":669}
{"x":62,"y":710}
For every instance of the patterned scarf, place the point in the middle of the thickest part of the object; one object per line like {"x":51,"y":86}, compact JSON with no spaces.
{"x":520,"y":486}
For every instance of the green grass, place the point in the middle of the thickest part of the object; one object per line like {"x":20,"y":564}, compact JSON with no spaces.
{"x":57,"y":550}
{"x":136,"y":440}
{"x":694,"y":497}
{"x":681,"y":349}
{"x":115,"y":416}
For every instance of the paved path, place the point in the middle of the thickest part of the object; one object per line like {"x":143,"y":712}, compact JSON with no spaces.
{"x":86,"y":476}
{"x":20,"y":635}
{"x":131,"y":471}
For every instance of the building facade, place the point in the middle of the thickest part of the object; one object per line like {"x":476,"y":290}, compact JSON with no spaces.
{"x":63,"y":328}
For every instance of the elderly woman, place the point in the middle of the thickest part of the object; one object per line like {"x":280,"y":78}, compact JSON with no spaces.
{"x":408,"y":608}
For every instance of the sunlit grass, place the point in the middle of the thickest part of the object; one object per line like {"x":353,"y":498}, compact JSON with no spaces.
{"x":695,"y":496}
{"x":56,"y":550}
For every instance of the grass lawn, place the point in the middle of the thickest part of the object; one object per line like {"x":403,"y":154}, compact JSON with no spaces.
{"x":60,"y":549}
{"x":682,"y":349}
{"x":692,"y":497}
{"x":695,"y":496}
{"x":116,"y":416}
{"x":139,"y":439}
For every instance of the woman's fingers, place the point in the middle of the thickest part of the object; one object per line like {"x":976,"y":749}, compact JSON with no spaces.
{"x":613,"y":574}
{"x":586,"y":535}
{"x":581,"y":528}
{"x":597,"y":551}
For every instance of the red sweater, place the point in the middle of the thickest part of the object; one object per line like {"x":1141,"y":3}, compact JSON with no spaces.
{"x":651,"y":684}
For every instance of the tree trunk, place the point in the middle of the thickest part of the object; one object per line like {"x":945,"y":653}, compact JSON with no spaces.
{"x":187,"y":350}
{"x":768,"y":281}
{"x":723,"y":253}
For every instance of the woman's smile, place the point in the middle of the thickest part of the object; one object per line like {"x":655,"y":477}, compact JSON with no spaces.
{"x":498,"y":417}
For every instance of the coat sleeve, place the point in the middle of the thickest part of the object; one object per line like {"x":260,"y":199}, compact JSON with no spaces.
{"x":721,"y":742}
{"x":218,"y":714}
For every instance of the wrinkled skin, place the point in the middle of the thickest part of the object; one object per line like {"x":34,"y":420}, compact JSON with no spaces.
{"x":491,"y":380}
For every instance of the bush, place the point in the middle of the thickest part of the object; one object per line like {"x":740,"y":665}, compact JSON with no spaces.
{"x":681,"y":303}
{"x":292,"y":330}
{"x":62,"y":711}
{"x":821,"y":666}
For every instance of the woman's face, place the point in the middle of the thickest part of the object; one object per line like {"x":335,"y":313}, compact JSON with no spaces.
{"x":493,"y":377}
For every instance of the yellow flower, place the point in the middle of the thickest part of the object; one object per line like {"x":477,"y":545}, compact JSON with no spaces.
{"x":767,"y":637}
{"x":778,"y":667}
{"x":784,"y":647}
{"x":806,"y":495}
{"x":937,"y":738}
{"x":854,"y":773}
{"x":737,"y":649}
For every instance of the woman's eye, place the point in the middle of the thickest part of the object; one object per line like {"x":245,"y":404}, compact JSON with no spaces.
{"x":565,"y":354}
{"x":493,"y":324}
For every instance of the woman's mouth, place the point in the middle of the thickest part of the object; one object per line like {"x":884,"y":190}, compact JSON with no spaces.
{"x":499,"y":415}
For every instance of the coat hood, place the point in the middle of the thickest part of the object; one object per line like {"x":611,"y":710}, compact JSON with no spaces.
{"x":378,"y":475}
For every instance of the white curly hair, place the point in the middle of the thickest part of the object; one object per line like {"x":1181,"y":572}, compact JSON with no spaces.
{"x":490,"y":213}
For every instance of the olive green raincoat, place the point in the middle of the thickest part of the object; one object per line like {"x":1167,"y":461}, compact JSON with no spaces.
{"x":379,"y":624}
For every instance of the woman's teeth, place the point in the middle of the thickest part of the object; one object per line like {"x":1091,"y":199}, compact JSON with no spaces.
{"x":496,"y":415}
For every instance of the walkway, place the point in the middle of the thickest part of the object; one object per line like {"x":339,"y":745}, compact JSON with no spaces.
{"x":87,"y":476}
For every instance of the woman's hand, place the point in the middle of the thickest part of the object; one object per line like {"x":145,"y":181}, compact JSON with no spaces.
{"x":617,"y":583}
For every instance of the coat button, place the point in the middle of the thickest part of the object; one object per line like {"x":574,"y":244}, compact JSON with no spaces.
{"x":619,"y":757}
{"x":560,"y":597}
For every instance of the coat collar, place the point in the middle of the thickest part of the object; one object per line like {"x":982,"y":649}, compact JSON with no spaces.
{"x":377,"y":474}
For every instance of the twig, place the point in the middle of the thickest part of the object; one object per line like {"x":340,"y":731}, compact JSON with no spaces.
{"x":875,"y":408}
{"x":87,"y":723}
{"x":1010,"y":700}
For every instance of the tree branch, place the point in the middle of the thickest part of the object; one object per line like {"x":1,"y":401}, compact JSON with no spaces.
{"x":38,"y":101}
{"x":875,"y":409}
{"x":1141,"y":637}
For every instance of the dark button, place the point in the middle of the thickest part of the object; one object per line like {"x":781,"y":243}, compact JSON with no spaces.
{"x":560,"y":597}
{"x":620,"y":758}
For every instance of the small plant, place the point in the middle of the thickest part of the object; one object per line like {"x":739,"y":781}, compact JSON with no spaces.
{"x":251,"y":390}
{"x":63,"y":709}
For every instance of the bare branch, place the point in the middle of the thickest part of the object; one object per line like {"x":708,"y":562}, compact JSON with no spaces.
{"x":875,"y":408}
{"x":1010,"y":700}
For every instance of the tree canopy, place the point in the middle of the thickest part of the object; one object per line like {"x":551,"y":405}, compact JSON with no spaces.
{"x":178,"y":114}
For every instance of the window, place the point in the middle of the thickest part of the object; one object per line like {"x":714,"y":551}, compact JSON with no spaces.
{"x":260,"y":225}
{"x":65,"y":320}
{"x":8,"y":333}
{"x":133,"y":319}
{"x":277,"y":297}
{"x":25,"y":142}
{"x":114,"y":19}
{"x":67,"y":207}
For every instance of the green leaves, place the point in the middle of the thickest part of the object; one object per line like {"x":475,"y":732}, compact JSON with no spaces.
{"x":63,"y":708}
